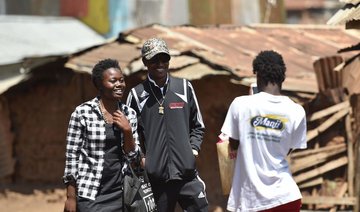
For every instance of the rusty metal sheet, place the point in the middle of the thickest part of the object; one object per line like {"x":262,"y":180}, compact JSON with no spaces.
{"x":305,"y":84}
{"x":201,"y":71}
{"x":123,"y":52}
{"x":224,"y":47}
{"x":230,"y":48}
{"x":178,"y":62}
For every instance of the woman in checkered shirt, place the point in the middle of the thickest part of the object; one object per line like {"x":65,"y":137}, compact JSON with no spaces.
{"x":101,"y":136}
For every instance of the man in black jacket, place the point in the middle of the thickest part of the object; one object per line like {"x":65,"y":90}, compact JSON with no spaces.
{"x":172,"y":129}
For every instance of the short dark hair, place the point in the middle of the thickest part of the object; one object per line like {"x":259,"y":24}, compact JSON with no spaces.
{"x":100,"y":67}
{"x":269,"y":67}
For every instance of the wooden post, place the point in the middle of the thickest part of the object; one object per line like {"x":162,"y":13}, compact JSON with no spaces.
{"x":357,"y":183}
{"x":350,"y":152}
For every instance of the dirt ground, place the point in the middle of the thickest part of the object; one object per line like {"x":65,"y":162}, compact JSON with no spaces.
{"x":39,"y":198}
{"x":31,"y":198}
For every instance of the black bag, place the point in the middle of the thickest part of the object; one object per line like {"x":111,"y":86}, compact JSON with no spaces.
{"x":138,"y":195}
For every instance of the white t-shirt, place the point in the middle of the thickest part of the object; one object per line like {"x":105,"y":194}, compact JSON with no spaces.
{"x":267,"y":127}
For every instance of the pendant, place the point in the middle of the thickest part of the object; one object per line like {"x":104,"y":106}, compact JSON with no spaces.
{"x":161,"y":109}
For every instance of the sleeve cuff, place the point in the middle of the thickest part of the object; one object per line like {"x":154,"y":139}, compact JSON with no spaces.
{"x":68,"y":179}
{"x":133,"y":154}
{"x":195,"y":152}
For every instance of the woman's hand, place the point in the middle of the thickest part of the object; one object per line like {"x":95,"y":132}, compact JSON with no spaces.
{"x":70,"y":204}
{"x":121,"y":121}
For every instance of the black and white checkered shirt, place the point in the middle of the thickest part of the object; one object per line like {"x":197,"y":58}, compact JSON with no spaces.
{"x":85,"y":146}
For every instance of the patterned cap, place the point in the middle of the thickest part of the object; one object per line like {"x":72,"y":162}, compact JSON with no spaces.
{"x":154,"y":46}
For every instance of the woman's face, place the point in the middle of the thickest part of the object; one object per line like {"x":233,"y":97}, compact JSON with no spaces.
{"x":113,"y":84}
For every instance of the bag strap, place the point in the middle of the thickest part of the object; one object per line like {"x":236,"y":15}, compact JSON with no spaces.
{"x":132,"y":171}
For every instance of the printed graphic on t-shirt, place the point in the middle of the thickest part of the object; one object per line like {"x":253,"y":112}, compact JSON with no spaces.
{"x":262,"y":125}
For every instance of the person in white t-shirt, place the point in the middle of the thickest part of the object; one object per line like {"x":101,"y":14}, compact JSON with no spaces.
{"x":265,"y":128}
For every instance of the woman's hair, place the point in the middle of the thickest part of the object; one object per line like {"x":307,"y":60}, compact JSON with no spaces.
{"x":100,"y":67}
{"x":269,"y":67}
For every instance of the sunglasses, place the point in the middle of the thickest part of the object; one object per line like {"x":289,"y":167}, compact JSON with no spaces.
{"x":159,"y":58}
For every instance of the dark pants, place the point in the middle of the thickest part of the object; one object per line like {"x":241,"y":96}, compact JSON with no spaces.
{"x":189,"y":194}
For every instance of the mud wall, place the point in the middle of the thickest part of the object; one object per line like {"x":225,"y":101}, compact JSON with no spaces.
{"x":39,"y":112}
{"x":215,"y":93}
{"x":6,"y":142}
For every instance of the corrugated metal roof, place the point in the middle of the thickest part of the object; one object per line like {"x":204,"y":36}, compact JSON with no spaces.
{"x":201,"y":71}
{"x":230,"y":48}
{"x":34,"y":36}
{"x":351,"y":11}
{"x":350,"y":1}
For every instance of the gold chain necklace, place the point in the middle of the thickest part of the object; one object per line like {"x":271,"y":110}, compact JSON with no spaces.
{"x":102,"y":108}
{"x":161,"y":107}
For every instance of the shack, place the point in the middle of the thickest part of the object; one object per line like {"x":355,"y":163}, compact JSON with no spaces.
{"x":217,"y":60}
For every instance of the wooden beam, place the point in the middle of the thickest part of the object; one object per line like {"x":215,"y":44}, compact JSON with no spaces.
{"x":311,"y":183}
{"x":318,"y":171}
{"x":328,"y":123}
{"x":303,"y":153}
{"x":328,"y":111}
{"x":306,"y":162}
{"x":339,"y":194}
{"x":342,"y":192}
{"x":311,"y":134}
{"x":329,"y":200}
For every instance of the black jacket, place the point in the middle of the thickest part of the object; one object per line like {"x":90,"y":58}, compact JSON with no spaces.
{"x":170,"y":137}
